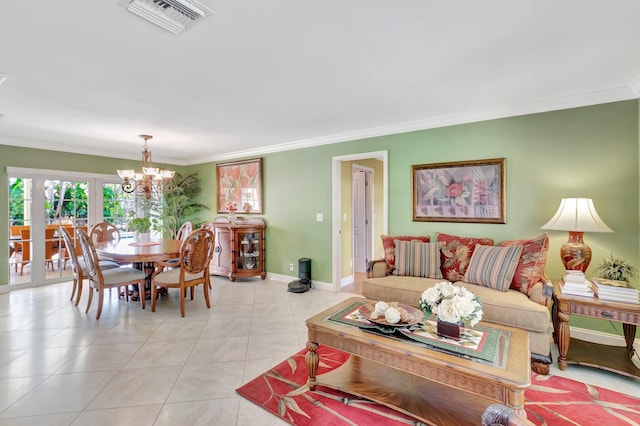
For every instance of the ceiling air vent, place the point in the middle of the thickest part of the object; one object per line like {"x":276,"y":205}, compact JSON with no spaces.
{"x":172,"y":15}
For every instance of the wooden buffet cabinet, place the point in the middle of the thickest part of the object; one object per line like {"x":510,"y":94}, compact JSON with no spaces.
{"x":239,"y":250}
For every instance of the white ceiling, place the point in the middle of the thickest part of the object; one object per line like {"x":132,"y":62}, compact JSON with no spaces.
{"x":266,"y":75}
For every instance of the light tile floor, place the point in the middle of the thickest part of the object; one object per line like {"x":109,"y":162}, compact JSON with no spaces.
{"x":59,"y":366}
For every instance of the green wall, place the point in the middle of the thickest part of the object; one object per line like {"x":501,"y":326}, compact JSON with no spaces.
{"x":581,"y":152}
{"x":590,"y":151}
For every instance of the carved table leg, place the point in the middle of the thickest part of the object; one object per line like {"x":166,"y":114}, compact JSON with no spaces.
{"x":629,"y":336}
{"x":312,"y":359}
{"x":564,"y":337}
{"x":516,"y":402}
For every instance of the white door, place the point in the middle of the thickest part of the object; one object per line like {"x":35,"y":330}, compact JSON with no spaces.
{"x":361,"y":219}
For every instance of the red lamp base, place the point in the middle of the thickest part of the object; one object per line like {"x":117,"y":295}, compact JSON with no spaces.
{"x":575,"y":254}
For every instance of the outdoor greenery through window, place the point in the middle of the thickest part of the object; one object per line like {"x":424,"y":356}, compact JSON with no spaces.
{"x":117,"y":205}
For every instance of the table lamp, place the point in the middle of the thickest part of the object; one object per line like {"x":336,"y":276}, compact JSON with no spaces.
{"x":576,"y":215}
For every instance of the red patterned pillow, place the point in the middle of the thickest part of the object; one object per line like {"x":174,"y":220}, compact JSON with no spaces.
{"x":532,"y":261}
{"x":390,"y":248}
{"x":455,"y":254}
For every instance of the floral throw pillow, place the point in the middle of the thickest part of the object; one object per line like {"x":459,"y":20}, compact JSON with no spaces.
{"x":532,"y":261}
{"x":455,"y":254}
{"x":389,"y":248}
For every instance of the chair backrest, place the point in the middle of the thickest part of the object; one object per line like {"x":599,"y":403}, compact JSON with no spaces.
{"x":89,"y":256}
{"x":71,"y":249}
{"x":196,"y":251}
{"x":17,"y":229}
{"x":104,"y":232}
{"x":208,"y":225}
{"x":49,"y":240}
{"x":184,"y":231}
{"x":25,"y":234}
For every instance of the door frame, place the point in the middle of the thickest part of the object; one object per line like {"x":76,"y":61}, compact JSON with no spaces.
{"x":336,"y":203}
{"x":38,"y":176}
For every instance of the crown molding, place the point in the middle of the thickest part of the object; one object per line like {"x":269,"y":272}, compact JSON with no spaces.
{"x":575,"y":101}
{"x":74,"y":149}
{"x":635,"y":86}
{"x":556,"y":104}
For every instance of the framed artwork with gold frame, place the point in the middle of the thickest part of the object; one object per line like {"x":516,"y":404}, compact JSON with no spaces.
{"x":463,"y":191}
{"x":239,"y":186}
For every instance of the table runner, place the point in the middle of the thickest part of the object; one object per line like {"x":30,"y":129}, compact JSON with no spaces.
{"x":478,"y":342}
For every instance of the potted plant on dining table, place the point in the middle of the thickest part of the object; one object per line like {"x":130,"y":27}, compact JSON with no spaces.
{"x":142,"y":228}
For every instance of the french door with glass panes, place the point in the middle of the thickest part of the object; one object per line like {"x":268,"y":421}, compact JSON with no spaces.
{"x":42,"y":201}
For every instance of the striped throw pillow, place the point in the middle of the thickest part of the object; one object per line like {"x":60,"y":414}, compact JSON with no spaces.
{"x":493,"y":266}
{"x":417,"y":259}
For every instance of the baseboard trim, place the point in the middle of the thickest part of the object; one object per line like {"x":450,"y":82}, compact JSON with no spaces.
{"x":600,"y":337}
{"x":288,"y":278}
{"x":347,"y":281}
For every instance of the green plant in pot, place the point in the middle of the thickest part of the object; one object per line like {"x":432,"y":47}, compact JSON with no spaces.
{"x":142,"y":227}
{"x":615,"y":268}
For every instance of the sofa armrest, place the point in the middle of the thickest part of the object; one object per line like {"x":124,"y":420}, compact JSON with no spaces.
{"x":376,"y":268}
{"x":542,"y":291}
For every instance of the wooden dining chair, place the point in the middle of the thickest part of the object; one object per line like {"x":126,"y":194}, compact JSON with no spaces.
{"x":210,"y":227}
{"x":16,"y":246}
{"x":78,"y":267}
{"x":195,"y":254}
{"x":110,"y":278}
{"x":184,"y":231}
{"x":49,"y":249}
{"x":104,"y":232}
{"x":25,"y":249}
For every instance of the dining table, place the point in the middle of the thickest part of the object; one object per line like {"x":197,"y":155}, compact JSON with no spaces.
{"x":142,"y":256}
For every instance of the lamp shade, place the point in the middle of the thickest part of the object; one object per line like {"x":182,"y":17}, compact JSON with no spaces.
{"x":577,"y":215}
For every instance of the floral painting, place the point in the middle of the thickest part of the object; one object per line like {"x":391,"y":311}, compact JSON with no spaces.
{"x":465,"y":191}
{"x":240,"y":186}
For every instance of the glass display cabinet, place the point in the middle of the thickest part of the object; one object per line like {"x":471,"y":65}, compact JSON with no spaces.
{"x":239,"y":249}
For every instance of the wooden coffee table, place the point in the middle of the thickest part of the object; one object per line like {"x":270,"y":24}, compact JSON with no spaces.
{"x":433,"y":386}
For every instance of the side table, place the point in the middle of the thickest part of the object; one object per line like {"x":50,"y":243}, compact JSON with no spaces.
{"x":574,"y":351}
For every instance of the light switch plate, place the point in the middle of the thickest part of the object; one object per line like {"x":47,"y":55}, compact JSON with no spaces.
{"x":319,"y":217}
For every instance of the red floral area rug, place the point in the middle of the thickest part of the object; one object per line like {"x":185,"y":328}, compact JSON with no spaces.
{"x":554,"y":400}
{"x":551,"y":400}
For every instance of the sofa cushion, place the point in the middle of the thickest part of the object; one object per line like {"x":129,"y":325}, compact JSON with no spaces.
{"x":533,"y":260}
{"x":511,"y":308}
{"x":417,"y":259}
{"x":456,"y":253}
{"x":389,"y":248}
{"x":493,"y":267}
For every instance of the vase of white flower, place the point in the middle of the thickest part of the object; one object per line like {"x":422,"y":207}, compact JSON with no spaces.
{"x":450,"y":330}
{"x":453,"y":305}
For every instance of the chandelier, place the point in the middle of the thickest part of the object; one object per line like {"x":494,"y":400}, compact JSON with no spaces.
{"x":151,"y":180}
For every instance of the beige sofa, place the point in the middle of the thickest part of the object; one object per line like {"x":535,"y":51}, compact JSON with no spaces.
{"x":510,"y":308}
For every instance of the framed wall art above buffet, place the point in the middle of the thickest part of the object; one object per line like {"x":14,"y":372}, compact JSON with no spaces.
{"x":239,"y":186}
{"x":463,"y":191}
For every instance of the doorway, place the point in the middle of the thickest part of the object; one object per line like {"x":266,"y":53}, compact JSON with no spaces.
{"x":361,"y":220}
{"x":341,"y":213}
{"x":40,"y":201}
